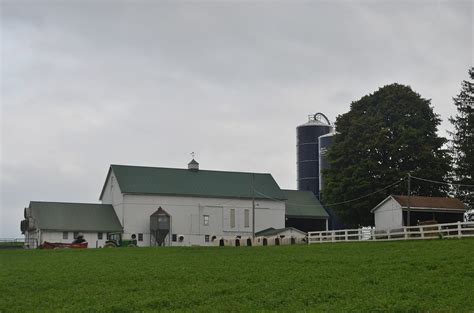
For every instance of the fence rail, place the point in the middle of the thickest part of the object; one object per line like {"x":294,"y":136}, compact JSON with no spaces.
{"x":448,"y":230}
{"x":17,"y":243}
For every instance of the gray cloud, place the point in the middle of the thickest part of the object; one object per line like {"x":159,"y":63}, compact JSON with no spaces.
{"x":86,"y":84}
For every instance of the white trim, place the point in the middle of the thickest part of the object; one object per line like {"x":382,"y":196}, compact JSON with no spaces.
{"x":434,"y":209}
{"x":383,"y":201}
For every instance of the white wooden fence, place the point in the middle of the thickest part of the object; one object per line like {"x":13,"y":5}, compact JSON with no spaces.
{"x":448,"y":230}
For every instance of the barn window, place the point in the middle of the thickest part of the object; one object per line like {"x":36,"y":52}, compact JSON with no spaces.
{"x":232,"y":218}
{"x":206,"y":238}
{"x":173,"y":237}
{"x":76,"y":233}
{"x":206,"y":220}
{"x":100,"y":236}
{"x":65,"y":235}
{"x":247,"y":218}
{"x":140,"y":237}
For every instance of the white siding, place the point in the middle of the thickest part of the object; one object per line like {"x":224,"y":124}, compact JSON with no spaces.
{"x":57,"y":236}
{"x":266,"y":218}
{"x":290,"y":233}
{"x":389,"y":215}
{"x":113,"y":195}
{"x":187,"y":216}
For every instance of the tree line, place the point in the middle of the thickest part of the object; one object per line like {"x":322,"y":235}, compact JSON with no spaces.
{"x":393,"y":132}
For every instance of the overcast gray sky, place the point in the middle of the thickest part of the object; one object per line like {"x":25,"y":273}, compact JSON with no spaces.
{"x":88,"y":83}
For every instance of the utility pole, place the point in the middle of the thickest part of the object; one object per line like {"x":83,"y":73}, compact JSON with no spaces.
{"x":253,"y":205}
{"x":408,"y":202}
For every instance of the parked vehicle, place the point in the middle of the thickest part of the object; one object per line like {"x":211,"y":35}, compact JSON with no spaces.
{"x":114,"y":240}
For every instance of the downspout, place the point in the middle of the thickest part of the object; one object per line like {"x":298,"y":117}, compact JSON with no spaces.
{"x":253,"y":206}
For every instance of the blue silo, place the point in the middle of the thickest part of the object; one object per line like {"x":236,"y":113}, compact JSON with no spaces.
{"x":325,"y":142}
{"x":307,"y":150}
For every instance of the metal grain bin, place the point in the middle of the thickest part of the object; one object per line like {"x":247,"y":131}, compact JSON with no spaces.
{"x":160,"y":225}
{"x":24,"y":226}
{"x":31,"y":223}
{"x":27,"y":212}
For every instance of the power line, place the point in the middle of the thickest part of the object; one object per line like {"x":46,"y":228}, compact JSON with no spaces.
{"x":302,"y":204}
{"x":442,"y":182}
{"x":337,"y":203}
{"x":268,"y":197}
{"x":368,"y":195}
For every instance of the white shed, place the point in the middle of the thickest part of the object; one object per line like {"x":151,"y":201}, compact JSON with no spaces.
{"x":392,"y":212}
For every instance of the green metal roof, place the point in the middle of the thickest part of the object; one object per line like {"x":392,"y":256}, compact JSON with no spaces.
{"x":303,"y":204}
{"x":75,"y":216}
{"x":198,"y":183}
{"x":273,"y":232}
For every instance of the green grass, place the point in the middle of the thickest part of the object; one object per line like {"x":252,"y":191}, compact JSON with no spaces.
{"x":412,"y":276}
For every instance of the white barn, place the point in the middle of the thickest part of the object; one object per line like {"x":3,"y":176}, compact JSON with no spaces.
{"x":200,"y":206}
{"x":203,"y":205}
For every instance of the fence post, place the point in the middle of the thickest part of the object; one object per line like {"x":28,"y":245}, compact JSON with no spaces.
{"x":345,"y":235}
{"x":405,"y":234}
{"x":422,"y":233}
{"x":459,"y":230}
{"x":388,"y":234}
{"x":372,"y":232}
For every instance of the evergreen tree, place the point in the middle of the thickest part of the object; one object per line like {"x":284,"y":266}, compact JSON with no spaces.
{"x":383,"y":137}
{"x":463,"y":140}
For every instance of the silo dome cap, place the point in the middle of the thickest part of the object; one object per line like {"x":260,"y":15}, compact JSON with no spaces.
{"x":318,"y":119}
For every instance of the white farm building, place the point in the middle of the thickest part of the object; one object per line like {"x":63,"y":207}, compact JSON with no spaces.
{"x":171,"y":207}
{"x":392,"y":213}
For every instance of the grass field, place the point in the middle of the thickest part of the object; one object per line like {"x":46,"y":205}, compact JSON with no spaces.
{"x":426,"y":276}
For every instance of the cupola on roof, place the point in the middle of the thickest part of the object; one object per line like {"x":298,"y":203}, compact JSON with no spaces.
{"x":193,"y":165}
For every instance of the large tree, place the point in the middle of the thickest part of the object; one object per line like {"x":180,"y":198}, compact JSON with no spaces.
{"x":463,"y":140}
{"x":383,"y":137}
